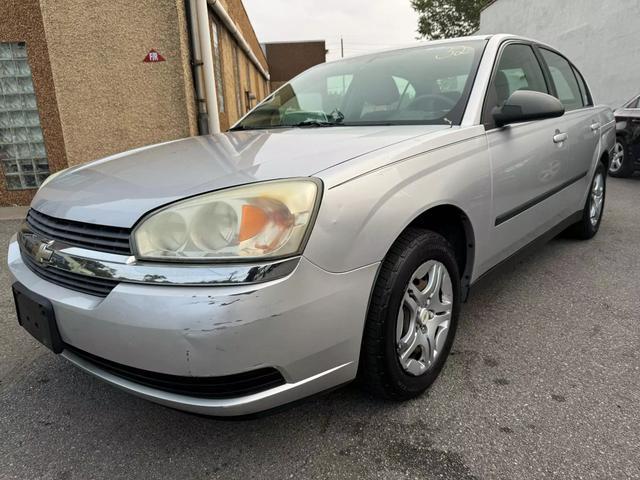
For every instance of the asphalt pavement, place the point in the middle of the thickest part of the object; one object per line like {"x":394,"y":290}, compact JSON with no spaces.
{"x":543,"y":382}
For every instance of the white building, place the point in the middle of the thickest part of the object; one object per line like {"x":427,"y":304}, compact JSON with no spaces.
{"x":601,"y":37}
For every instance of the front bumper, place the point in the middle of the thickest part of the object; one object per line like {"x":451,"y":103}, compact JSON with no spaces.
{"x":308,"y":325}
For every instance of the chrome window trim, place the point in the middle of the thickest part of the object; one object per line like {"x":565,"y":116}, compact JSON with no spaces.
{"x":127,"y":269}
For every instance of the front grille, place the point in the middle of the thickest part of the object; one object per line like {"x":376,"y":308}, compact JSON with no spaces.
{"x":228,"y":386}
{"x":80,"y":234}
{"x":90,"y":285}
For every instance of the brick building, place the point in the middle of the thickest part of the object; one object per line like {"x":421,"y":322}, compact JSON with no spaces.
{"x":74,"y":85}
{"x":288,"y":59}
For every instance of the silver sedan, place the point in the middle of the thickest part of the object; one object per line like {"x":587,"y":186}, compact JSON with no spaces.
{"x":331,"y":234}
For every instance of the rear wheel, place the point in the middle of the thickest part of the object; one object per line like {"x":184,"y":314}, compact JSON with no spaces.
{"x":621,"y":164}
{"x":412,"y":318}
{"x":594,"y":207}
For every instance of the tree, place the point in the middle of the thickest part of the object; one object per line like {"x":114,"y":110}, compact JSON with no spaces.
{"x":448,"y":18}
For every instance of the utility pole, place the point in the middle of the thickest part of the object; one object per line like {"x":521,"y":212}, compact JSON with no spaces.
{"x":342,"y":47}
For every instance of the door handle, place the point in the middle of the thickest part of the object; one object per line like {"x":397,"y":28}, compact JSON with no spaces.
{"x":560,"y":137}
{"x":595,"y":126}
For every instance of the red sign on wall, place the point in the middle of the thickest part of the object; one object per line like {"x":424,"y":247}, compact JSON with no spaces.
{"x":153,"y":57}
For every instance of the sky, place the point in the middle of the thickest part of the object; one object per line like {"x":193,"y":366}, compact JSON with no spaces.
{"x":366,"y":25}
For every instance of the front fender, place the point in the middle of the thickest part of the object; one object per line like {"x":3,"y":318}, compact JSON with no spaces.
{"x":361,"y":218}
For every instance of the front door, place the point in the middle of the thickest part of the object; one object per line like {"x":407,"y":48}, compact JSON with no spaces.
{"x":529,"y":161}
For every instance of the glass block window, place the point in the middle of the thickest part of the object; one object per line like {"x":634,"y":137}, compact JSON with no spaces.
{"x":22,"y":154}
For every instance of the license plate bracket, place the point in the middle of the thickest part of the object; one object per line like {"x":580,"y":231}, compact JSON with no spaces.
{"x":36,"y":316}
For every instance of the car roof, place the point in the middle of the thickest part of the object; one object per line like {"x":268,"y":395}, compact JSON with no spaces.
{"x":428,"y":43}
{"x":409,"y":46}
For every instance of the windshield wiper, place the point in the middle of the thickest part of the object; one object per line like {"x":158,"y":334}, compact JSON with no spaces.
{"x":334,"y":119}
{"x":240,"y":128}
{"x":317,"y":123}
{"x":306,"y":123}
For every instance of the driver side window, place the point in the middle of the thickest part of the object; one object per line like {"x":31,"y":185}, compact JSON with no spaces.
{"x":518,"y":69}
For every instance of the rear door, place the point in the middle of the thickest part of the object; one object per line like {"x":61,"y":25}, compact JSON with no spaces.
{"x":529,"y":161}
{"x":581,"y":120}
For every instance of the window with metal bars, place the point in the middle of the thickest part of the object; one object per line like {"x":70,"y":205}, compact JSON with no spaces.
{"x":217,"y":57}
{"x":237,"y":80}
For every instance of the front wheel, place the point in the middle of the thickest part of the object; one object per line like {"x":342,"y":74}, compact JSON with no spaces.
{"x":589,"y":225}
{"x":412,"y":318}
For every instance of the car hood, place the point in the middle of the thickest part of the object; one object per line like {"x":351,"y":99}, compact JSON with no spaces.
{"x":120,"y":189}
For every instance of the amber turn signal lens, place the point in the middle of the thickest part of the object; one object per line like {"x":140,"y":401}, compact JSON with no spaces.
{"x":253,"y":222}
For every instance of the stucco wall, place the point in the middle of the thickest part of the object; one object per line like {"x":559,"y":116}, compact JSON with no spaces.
{"x":109,"y":100}
{"x":20,"y":21}
{"x":599,"y":36}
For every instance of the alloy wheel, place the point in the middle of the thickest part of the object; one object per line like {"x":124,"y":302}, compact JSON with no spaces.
{"x":618,"y":158}
{"x":597,"y":199}
{"x":424,"y":317}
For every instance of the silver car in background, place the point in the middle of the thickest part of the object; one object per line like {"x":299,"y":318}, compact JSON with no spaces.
{"x":332,"y":234}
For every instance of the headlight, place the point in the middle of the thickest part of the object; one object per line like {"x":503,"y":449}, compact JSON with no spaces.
{"x":262,"y":220}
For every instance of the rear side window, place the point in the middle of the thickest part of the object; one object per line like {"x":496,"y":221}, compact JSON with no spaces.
{"x":517,"y":69}
{"x":567,"y":89}
{"x":584,"y":91}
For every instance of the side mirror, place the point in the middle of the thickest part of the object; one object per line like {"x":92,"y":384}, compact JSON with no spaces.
{"x":525,"y":106}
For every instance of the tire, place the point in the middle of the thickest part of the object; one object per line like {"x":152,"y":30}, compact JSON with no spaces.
{"x":380,"y":370}
{"x":621,"y":166}
{"x":587,"y":228}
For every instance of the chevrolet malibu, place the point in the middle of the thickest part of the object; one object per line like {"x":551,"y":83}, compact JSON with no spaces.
{"x":331,"y":235}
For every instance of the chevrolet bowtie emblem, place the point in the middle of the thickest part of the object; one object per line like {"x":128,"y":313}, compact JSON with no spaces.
{"x":44,"y":253}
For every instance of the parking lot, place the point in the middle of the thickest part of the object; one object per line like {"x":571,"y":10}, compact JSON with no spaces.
{"x":543,"y":382}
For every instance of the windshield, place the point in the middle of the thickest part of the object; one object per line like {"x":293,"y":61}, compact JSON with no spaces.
{"x":425,"y":86}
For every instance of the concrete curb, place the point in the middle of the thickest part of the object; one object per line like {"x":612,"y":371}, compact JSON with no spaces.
{"x":13,"y":213}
